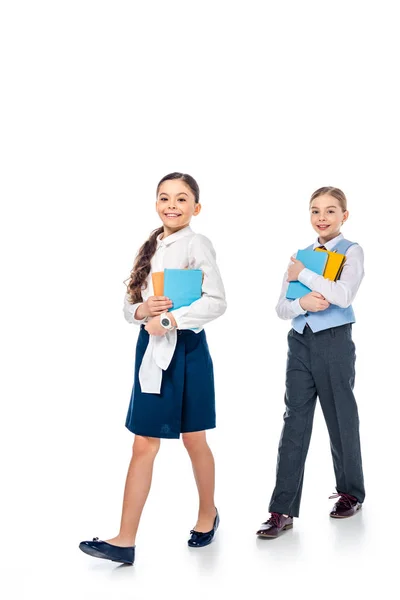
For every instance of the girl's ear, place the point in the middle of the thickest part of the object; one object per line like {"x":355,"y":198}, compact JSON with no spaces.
{"x":197,"y":209}
{"x":345,"y":216}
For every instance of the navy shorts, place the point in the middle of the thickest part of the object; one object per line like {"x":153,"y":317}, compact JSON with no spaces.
{"x":187,"y":399}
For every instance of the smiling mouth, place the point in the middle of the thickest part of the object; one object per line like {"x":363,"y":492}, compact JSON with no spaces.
{"x":322,"y":226}
{"x":172,"y":215}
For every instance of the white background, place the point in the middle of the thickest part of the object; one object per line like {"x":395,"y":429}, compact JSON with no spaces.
{"x":262,"y":102}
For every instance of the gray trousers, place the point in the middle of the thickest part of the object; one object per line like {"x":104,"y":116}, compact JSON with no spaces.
{"x":318,"y":364}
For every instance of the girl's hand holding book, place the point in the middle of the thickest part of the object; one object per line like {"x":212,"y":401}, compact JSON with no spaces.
{"x":294,"y":269}
{"x":154,"y":306}
{"x":314,"y":302}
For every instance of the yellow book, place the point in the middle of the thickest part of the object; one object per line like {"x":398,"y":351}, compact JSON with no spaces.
{"x":158,"y":283}
{"x":334,"y":264}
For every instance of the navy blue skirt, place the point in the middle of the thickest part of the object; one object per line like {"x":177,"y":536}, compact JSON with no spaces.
{"x":187,"y":399}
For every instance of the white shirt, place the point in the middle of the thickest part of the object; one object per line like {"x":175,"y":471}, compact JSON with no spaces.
{"x":181,"y":250}
{"x":341,"y":293}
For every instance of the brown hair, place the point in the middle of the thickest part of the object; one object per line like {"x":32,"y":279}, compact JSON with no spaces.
{"x":142,"y":264}
{"x":334,"y":192}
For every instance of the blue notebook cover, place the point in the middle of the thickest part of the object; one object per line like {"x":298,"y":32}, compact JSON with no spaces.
{"x":183,"y":286}
{"x":315,"y":261}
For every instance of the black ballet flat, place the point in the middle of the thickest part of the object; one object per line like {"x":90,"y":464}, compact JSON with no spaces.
{"x":101,"y":549}
{"x":198,"y":539}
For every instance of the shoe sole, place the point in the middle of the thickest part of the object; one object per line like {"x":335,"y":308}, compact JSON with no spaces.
{"x":201,"y":545}
{"x":97,"y":554}
{"x":265,"y":535}
{"x":345,"y":516}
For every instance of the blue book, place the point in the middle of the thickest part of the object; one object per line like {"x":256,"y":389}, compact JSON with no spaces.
{"x":315,"y":261}
{"x":183,"y":286}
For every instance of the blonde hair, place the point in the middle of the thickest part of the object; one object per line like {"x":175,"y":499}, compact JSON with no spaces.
{"x":334,"y":192}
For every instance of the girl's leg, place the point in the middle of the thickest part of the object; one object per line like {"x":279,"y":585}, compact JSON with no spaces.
{"x":137,"y":488}
{"x":300,"y":401}
{"x":335,"y":382}
{"x":204,"y":474}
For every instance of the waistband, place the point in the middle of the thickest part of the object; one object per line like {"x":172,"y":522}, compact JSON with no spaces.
{"x":180,"y":332}
{"x":307,"y":329}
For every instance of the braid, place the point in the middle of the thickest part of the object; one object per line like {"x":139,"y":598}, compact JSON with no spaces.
{"x":141,"y":267}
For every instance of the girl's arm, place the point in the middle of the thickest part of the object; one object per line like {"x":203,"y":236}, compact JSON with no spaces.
{"x":212,"y":303}
{"x":130,"y":311}
{"x":343,"y":291}
{"x":288,"y":309}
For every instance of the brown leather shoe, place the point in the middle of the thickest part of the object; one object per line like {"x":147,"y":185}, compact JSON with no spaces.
{"x":275,"y":525}
{"x":346,"y":506}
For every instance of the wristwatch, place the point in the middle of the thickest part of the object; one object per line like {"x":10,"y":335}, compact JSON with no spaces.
{"x":165,"y":321}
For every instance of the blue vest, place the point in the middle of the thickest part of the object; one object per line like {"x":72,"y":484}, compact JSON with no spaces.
{"x":334,"y":316}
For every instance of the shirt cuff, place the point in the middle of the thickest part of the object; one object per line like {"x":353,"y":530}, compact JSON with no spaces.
{"x":296,"y":308}
{"x":307,"y":277}
{"x":178,"y":313}
{"x":129,"y":313}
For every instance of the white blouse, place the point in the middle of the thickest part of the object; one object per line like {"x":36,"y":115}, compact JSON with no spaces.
{"x":181,"y":250}
{"x":341,"y":292}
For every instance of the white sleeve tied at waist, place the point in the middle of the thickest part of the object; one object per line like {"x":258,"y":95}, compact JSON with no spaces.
{"x":211,"y":305}
{"x":156,"y":359}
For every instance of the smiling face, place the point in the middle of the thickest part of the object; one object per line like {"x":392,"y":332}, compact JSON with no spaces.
{"x":176,"y":205}
{"x":327,"y":217}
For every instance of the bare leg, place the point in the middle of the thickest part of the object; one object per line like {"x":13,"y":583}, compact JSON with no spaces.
{"x":204,"y":474}
{"x":137,"y":487}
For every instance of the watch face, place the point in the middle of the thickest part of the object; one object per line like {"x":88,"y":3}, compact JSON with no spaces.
{"x":165,"y":322}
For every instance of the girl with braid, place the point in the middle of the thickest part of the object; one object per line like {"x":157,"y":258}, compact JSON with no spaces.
{"x":173,"y":390}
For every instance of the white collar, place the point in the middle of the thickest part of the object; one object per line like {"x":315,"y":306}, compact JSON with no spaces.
{"x":170,"y":239}
{"x":331,"y":244}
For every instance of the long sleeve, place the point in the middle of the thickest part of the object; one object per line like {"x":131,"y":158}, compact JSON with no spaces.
{"x":212,"y":303}
{"x":341,"y":292}
{"x":130,"y":310}
{"x":288,"y":309}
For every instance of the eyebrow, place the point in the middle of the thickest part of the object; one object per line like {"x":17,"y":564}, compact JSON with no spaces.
{"x":317,"y":207}
{"x":180,"y":194}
